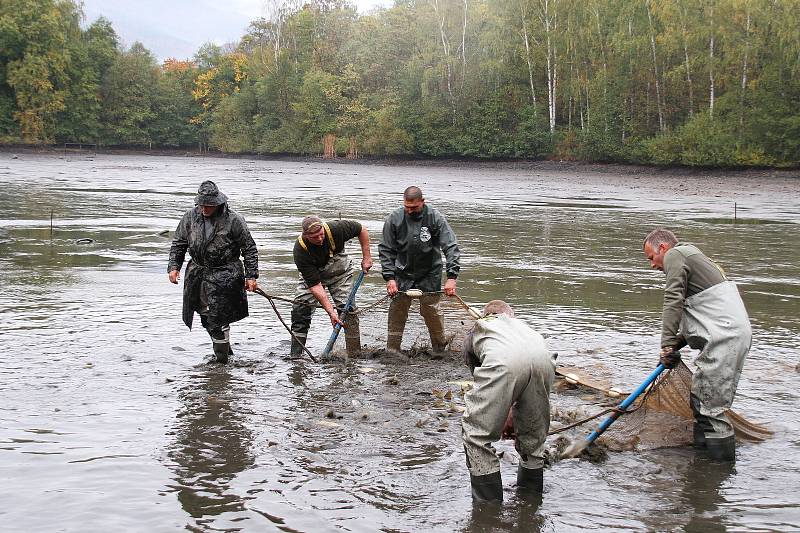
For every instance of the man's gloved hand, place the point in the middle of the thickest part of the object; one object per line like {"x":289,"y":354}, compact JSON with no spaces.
{"x":669,"y":357}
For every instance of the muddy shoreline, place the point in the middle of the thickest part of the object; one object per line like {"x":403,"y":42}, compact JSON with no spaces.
{"x":579,"y":167}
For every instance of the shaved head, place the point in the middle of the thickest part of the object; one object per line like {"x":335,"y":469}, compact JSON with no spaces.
{"x":413,"y":193}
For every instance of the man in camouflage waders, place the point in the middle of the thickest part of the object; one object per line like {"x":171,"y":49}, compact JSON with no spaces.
{"x":215,"y":280}
{"x":414,"y":238}
{"x":320,"y":258}
{"x":703,"y":309}
{"x":513,"y":372}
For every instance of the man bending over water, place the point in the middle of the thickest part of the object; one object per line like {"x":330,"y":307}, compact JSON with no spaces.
{"x":513,"y":371}
{"x":703,"y":309}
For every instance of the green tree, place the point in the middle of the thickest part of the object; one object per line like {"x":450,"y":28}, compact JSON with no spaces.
{"x":92,"y":52}
{"x":34,"y":54}
{"x":174,"y":107}
{"x":129,"y":89}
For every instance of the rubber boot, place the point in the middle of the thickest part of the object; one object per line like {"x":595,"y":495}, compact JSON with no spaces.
{"x":434,"y":320}
{"x":722,"y":450}
{"x":530,"y":480}
{"x":698,"y":436}
{"x":398,"y":315}
{"x":352,"y":336}
{"x":297,"y":348}
{"x":221,"y":351}
{"x":301,"y":323}
{"x":487,"y":488}
{"x":221,"y":341}
{"x":439,"y":342}
{"x":702,"y":424}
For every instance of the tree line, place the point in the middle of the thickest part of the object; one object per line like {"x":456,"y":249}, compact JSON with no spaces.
{"x":691,"y":82}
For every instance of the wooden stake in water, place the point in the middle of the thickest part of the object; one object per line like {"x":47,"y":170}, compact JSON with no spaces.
{"x":51,"y":224}
{"x":734,"y":212}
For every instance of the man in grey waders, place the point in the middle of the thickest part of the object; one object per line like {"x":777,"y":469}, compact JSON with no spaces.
{"x":703,"y":309}
{"x":215,"y":282}
{"x":414,"y":238}
{"x":513,"y":370}
{"x":320,"y":258}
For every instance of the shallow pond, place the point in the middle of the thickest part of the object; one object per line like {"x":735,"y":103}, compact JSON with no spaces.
{"x":111,"y":421}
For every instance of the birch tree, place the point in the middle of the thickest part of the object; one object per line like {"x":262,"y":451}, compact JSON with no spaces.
{"x":520,"y":12}
{"x":711,"y":59}
{"x":441,"y":19}
{"x":656,"y":78}
{"x":548,"y":18}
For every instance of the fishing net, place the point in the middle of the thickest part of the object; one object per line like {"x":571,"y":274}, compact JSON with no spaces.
{"x":662,"y":419}
{"x":662,"y":416}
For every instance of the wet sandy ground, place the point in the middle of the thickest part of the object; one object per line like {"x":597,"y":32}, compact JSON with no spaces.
{"x":110,"y":419}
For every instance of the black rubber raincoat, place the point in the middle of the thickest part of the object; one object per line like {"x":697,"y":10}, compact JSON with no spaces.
{"x":215,"y":268}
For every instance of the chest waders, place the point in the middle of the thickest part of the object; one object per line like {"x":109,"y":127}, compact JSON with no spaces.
{"x":428,"y":306}
{"x":431,"y":313}
{"x":516,"y":373}
{"x":715,"y":322}
{"x":337,"y":277}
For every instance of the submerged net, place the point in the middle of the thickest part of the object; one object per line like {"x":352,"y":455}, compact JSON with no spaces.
{"x":661,"y":417}
{"x":373,"y":318}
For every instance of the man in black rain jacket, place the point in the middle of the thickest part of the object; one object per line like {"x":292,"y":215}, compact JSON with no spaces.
{"x":215,"y":282}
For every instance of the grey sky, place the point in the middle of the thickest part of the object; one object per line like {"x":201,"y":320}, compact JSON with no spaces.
{"x":177,"y":28}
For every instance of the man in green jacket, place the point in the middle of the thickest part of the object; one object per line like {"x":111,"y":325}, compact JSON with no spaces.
{"x":320,"y":259}
{"x":414,"y":238}
{"x":703,"y":309}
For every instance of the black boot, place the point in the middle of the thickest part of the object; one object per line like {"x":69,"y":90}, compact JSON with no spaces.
{"x":723,"y":450}
{"x":530,"y":480}
{"x":221,"y":351}
{"x":221,"y":342}
{"x":698,"y":436}
{"x":296,"y":350}
{"x":488,"y":488}
{"x":702,"y":425}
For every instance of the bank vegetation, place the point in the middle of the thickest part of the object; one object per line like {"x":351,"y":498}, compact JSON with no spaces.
{"x":686,"y":82}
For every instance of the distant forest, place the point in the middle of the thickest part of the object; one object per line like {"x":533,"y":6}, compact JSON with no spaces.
{"x":689,"y":82}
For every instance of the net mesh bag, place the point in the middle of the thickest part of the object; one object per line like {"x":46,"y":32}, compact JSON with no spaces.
{"x":663,"y":418}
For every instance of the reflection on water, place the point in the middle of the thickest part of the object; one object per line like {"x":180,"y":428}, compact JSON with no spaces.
{"x":108,"y":414}
{"x":212,"y":445}
{"x":702,"y":494}
{"x":517,"y":515}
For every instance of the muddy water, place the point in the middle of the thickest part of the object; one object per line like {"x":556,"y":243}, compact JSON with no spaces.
{"x":111,"y":421}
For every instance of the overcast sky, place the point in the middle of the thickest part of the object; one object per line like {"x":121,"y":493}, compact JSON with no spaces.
{"x":177,"y":28}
